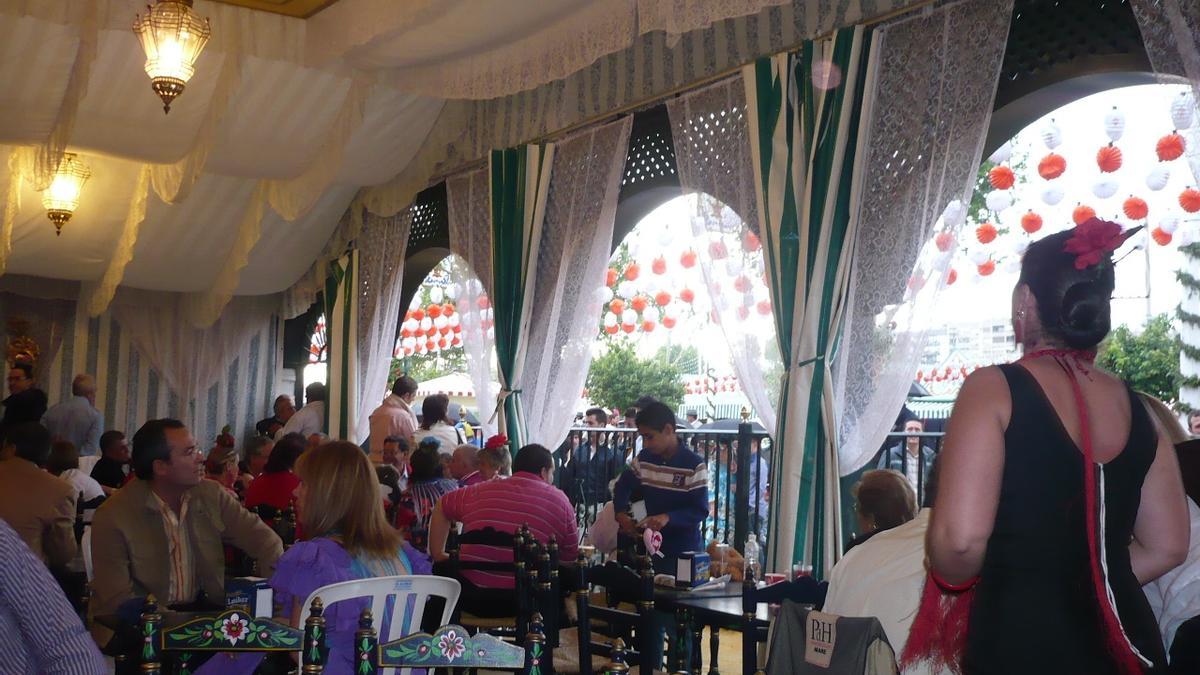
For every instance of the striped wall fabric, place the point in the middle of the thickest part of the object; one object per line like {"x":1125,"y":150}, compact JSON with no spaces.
{"x":131,"y":392}
{"x":805,"y":111}
{"x":341,"y":329}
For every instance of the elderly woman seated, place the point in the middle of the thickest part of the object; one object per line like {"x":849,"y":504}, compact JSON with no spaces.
{"x":883,"y":499}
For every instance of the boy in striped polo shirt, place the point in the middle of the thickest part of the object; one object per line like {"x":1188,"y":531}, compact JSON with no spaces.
{"x":674,"y":484}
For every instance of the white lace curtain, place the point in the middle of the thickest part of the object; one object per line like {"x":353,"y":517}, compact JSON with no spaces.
{"x":935,"y":86}
{"x":712,"y":151}
{"x":572,"y":261}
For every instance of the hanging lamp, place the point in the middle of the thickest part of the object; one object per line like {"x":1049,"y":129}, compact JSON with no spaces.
{"x":172,"y":35}
{"x":61,"y":198}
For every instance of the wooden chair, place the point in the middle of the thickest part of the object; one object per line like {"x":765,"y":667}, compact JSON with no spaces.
{"x":229,"y":631}
{"x":451,"y":647}
{"x":621,"y":584}
{"x":511,"y":625}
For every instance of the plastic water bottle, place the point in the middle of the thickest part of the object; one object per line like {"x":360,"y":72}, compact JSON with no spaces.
{"x":753,"y":558}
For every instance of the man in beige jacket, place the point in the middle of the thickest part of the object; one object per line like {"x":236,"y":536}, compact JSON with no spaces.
{"x":164,"y":533}
{"x":394,"y":418}
{"x":39,"y":506}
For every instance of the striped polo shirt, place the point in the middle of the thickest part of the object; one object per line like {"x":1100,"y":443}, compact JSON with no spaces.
{"x":506,"y":505}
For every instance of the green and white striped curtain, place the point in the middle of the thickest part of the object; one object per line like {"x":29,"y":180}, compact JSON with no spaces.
{"x":805,"y":109}
{"x":520,"y":180}
{"x":341,"y":331}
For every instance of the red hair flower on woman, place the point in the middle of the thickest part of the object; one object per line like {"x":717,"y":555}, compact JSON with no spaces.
{"x":1093,"y":240}
{"x":497,"y":441}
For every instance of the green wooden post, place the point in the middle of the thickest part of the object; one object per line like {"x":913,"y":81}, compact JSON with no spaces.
{"x":366,"y":645}
{"x":536,"y":654}
{"x":151,"y":649}
{"x":315,"y":650}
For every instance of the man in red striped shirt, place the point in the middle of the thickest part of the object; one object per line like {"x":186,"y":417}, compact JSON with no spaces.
{"x":527,"y":498}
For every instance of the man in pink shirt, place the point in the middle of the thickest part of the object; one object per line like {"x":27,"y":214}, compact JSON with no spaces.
{"x":394,"y":417}
{"x":527,"y":498}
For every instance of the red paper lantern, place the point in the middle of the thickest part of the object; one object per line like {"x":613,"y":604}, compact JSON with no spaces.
{"x":668,"y":322}
{"x":1135,"y":208}
{"x":1002,"y":177}
{"x":632,"y":272}
{"x":481,"y":302}
{"x":448,"y":309}
{"x":741,"y":284}
{"x":953,"y":277}
{"x":1189,"y":199}
{"x":1052,"y":166}
{"x":1109,"y":158}
{"x":687,"y":295}
{"x":1031,"y":222}
{"x":456,"y":342}
{"x":717,"y":250}
{"x":639,"y":304}
{"x":986,"y":233}
{"x":944,"y":241}
{"x":751,"y":242}
{"x":1161,"y":236}
{"x":743,"y":313}
{"x":444,"y":330}
{"x":418,"y":314}
{"x":442,"y":343}
{"x":628,"y":327}
{"x":457,"y":329}
{"x":612,"y":330}
{"x":1082,"y":214}
{"x":659,"y":266}
{"x":419,"y":332}
{"x":487,"y":323}
{"x":610,"y":278}
{"x":986,"y":269}
{"x":648,"y":326}
{"x":1170,"y":147}
{"x":406,"y":333}
{"x":764,"y":307}
{"x":434,"y":311}
{"x":617,"y":306}
{"x":408,"y":315}
{"x":688,"y":259}
{"x":662,"y":298}
{"x":430,"y":345}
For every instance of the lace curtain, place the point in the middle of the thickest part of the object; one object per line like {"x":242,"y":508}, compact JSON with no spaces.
{"x":572,"y":261}
{"x":382,"y":246}
{"x":471,"y":273}
{"x":934,"y":86}
{"x":712,"y":151}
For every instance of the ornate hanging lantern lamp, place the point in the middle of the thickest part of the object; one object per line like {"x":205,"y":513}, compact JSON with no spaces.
{"x":172,"y":35}
{"x":62,"y":197}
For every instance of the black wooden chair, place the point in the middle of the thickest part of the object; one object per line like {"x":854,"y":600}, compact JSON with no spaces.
{"x":622,"y":585}
{"x":511,"y":609}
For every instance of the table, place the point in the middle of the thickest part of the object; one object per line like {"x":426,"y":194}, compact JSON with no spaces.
{"x":716,"y":612}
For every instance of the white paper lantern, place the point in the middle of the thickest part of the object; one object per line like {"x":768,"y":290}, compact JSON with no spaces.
{"x":440,"y":322}
{"x":1114,"y":124}
{"x":1020,"y":246}
{"x":626,"y":289}
{"x":408,"y":342}
{"x":491,"y":334}
{"x":1186,"y":236}
{"x":610,"y":319}
{"x":489,"y":314}
{"x":454,"y":320}
{"x":955,"y":214}
{"x":436,"y":294}
{"x":978,"y":256}
{"x":998,"y":200}
{"x":734,"y":266}
{"x":1168,"y":224}
{"x":761,"y":293}
{"x":604,"y":294}
{"x":1183,"y":109}
{"x":453,"y":291}
{"x":1051,"y":135}
{"x":1052,"y":195}
{"x":426,"y":324}
{"x":1002,"y":154}
{"x":628,"y":317}
{"x":1012,"y":265}
{"x":1158,"y":177}
{"x":650,"y":314}
{"x":1104,"y":188}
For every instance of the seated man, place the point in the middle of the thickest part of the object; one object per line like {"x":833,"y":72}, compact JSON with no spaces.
{"x":39,"y":506}
{"x":283,"y":411}
{"x":112,"y":470}
{"x":884,"y":577}
{"x":593,"y":465}
{"x":464,"y":465}
{"x":674,"y":483}
{"x":164,"y":533}
{"x":528,"y":497}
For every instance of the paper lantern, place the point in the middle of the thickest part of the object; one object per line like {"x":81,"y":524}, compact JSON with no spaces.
{"x":998,"y":201}
{"x":426,"y":324}
{"x":659,"y":266}
{"x":1104,"y":188}
{"x":439,"y":322}
{"x":750,"y":242}
{"x":632,"y":272}
{"x":1160,"y":237}
{"x":436,"y":294}
{"x":978,"y":256}
{"x":1002,"y":154}
{"x":743,"y":313}
{"x":1052,"y":195}
{"x":1031,"y":222}
{"x":445,"y":330}
{"x":1182,"y":109}
{"x":1170,"y":147}
{"x":742,"y":284}
{"x":1019,"y":246}
{"x":482,"y":302}
{"x":986,"y":233}
{"x":1135,"y":208}
{"x":717,"y":250}
{"x":1001,"y":177}
{"x":617,"y":306}
{"x":916,"y":283}
{"x":1114,"y":124}
{"x":662,"y":298}
{"x":952,"y":277}
{"x":1082,"y":214}
{"x":651,"y":314}
{"x":1052,"y":166}
{"x":418,"y":314}
{"x":1109,"y":158}
{"x":406,"y":333}
{"x":628,"y":327}
{"x":944,"y":241}
{"x":1158,"y":177}
{"x":987,"y":268}
{"x":610,"y":278}
{"x":434,"y":311}
{"x":610,"y":319}
{"x":1189,"y":199}
{"x":629,"y":316}
{"x":409,"y":342}
{"x":612,"y":330}
{"x":626,"y":289}
{"x":734,"y":266}
{"x":1051,"y":135}
{"x":687,"y":295}
{"x":639,"y":303}
{"x":668,"y":322}
{"x":688,"y":259}
{"x":954,"y":214}
{"x":430,"y":345}
{"x":1168,"y":224}
{"x":443,"y":343}
{"x":452,"y":291}
{"x":456,"y":328}
{"x":456,"y":342}
{"x":448,"y":309}
{"x":604,"y":294}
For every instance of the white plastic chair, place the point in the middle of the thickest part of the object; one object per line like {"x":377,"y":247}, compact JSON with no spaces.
{"x":402,"y":621}
{"x":85,"y":545}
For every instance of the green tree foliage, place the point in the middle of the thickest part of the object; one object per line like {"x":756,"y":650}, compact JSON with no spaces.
{"x":619,"y":377}
{"x":422,"y":367}
{"x":1148,"y":361}
{"x":685,"y":358}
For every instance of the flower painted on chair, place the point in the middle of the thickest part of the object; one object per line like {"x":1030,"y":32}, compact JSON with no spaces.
{"x":234,"y":629}
{"x":451,"y":645}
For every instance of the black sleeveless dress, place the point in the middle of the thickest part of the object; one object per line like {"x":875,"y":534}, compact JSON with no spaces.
{"x":1035,"y":607}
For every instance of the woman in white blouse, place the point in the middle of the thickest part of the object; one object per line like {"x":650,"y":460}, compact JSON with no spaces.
{"x":435,"y":422}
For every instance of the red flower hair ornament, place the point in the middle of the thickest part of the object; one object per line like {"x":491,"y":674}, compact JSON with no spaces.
{"x":1094,"y":240}
{"x":497,"y":441}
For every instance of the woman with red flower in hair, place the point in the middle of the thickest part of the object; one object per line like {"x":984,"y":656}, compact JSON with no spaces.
{"x":1059,"y":495}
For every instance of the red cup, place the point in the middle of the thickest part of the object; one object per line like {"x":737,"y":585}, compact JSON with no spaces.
{"x":774,"y":578}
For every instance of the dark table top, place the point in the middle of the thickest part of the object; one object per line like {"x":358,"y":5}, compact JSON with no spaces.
{"x":671,"y":595}
{"x":725,"y":612}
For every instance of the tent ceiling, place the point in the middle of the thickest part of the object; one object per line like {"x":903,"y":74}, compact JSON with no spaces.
{"x":298,"y":8}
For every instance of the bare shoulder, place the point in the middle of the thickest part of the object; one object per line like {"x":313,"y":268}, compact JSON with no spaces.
{"x":984,"y":383}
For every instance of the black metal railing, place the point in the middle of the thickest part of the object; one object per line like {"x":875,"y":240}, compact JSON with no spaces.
{"x":898,"y":449}
{"x":738,"y":461}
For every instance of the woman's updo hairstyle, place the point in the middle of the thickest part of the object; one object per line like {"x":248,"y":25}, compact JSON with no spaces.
{"x":1074,"y":306}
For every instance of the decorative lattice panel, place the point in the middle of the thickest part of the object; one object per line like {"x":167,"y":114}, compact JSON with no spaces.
{"x":431,"y":223}
{"x":651,"y":159}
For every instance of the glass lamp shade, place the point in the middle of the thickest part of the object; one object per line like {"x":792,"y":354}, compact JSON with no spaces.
{"x":172,"y":35}
{"x":62,"y":197}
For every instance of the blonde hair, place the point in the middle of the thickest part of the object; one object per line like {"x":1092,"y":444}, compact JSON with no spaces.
{"x":1167,"y":419}
{"x":342,"y":500}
